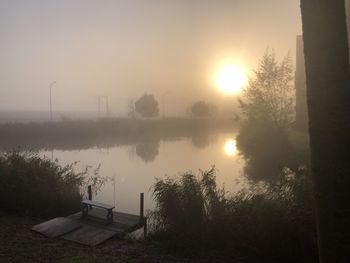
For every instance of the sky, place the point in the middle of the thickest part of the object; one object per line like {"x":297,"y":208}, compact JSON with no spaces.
{"x":125,"y":48}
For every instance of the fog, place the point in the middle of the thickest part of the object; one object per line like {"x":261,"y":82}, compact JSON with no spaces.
{"x":122,"y":49}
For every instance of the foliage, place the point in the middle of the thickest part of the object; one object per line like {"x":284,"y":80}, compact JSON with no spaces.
{"x":203,"y":109}
{"x":272,"y":223}
{"x":147,"y":106}
{"x":268,"y":114}
{"x":269,"y":97}
{"x":37,"y":186}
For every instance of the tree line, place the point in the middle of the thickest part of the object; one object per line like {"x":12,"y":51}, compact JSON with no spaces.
{"x":147,"y":106}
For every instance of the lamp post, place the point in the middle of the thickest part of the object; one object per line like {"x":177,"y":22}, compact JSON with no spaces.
{"x":51,"y":85}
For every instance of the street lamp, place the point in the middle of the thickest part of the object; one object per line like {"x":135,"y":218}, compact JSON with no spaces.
{"x":51,"y":85}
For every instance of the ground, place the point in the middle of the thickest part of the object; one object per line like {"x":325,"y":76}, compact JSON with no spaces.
{"x":19,"y":244}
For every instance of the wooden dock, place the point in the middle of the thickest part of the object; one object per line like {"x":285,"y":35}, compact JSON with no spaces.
{"x":92,"y":229}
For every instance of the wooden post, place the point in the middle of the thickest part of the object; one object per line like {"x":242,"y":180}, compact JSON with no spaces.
{"x":143,"y":219}
{"x":90,"y":194}
{"x":141,"y":206}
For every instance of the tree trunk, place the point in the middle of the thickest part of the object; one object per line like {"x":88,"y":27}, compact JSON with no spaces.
{"x":328,"y":99}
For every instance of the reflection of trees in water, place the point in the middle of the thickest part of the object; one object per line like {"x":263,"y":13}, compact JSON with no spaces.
{"x":202,"y":141}
{"x":268,"y":149}
{"x":77,"y":135}
{"x":265,"y":150}
{"x":148,"y":150}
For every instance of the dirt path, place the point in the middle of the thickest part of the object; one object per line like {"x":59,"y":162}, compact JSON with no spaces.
{"x":19,"y":244}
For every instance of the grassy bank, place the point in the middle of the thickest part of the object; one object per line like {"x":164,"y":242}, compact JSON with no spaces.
{"x":69,"y":135}
{"x":35,"y":189}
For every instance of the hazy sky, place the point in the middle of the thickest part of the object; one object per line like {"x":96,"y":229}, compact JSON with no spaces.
{"x":124,"y":48}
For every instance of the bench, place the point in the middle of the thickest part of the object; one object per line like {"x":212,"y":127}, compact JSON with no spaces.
{"x":89,"y":204}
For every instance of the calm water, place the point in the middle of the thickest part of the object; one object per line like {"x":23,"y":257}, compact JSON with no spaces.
{"x":133,"y":168}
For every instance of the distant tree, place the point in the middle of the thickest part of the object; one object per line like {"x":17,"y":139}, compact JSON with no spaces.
{"x":147,"y":106}
{"x":203,"y":109}
{"x":200,"y":109}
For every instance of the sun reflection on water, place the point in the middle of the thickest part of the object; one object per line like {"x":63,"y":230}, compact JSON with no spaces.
{"x":230,"y":147}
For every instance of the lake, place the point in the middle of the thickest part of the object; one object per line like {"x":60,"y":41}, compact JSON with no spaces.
{"x":132,"y":169}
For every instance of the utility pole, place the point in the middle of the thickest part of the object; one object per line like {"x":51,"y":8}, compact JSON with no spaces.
{"x":51,"y":85}
{"x":99,"y":106}
{"x":106,"y":105}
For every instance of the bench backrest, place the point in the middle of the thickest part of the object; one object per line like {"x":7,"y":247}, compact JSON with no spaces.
{"x":97,"y":204}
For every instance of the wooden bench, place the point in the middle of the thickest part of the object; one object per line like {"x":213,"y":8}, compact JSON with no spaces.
{"x":89,"y":204}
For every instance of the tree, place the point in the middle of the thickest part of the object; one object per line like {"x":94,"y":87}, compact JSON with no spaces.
{"x":267,"y":115}
{"x":147,"y":106}
{"x":328,"y":98}
{"x":203,"y":109}
{"x":269,"y":96}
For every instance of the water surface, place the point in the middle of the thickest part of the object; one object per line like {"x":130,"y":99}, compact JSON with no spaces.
{"x":133,"y":168}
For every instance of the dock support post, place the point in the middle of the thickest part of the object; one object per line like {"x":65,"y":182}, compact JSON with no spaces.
{"x":141,"y":206}
{"x":90,"y":194}
{"x":143,"y":219}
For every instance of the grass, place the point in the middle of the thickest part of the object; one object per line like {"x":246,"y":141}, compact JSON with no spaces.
{"x":36,"y":186}
{"x":273,"y":223}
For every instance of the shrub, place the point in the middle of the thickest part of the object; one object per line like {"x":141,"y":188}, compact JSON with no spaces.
{"x":31,"y":185}
{"x":273,"y":223}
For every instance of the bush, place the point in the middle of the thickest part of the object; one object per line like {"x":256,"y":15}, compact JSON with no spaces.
{"x":273,"y":223}
{"x":31,"y":185}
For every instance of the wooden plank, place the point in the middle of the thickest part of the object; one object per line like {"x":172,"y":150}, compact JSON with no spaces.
{"x":125,"y":218}
{"x":97,"y":204}
{"x":97,"y":217}
{"x":90,"y":235}
{"x":56,"y":227}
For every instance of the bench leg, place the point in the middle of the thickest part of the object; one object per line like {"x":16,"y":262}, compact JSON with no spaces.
{"x":85,"y":210}
{"x":109,"y":216}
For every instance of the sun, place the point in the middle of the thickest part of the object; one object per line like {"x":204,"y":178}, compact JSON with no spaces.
{"x":230,"y":147}
{"x":231,"y":79}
